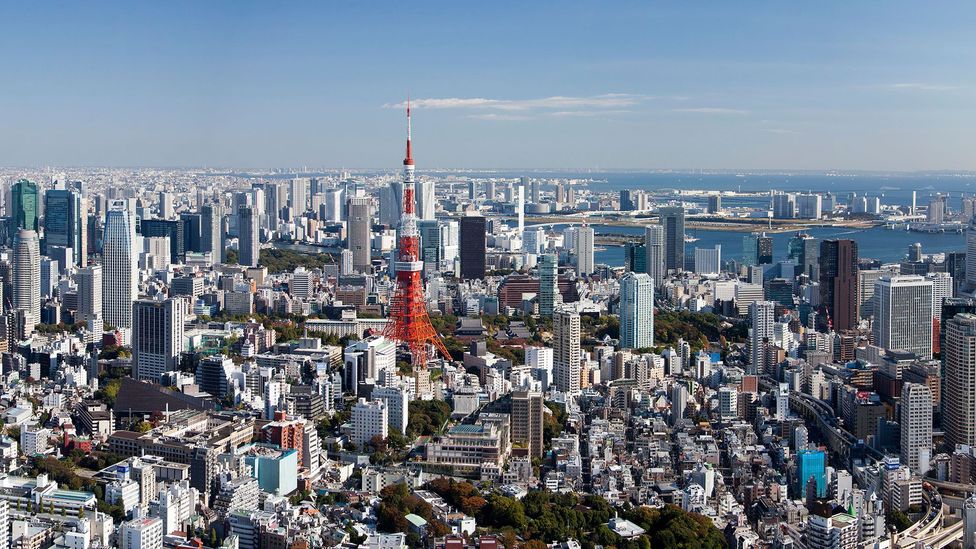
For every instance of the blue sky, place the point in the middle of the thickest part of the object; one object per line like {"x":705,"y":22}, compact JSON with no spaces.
{"x":593,"y":85}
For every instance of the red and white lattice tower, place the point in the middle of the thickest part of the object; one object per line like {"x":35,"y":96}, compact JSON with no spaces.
{"x":408,"y":322}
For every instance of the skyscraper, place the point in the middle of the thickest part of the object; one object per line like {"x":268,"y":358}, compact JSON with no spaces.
{"x":357,"y":241}
{"x":212,"y":232}
{"x":548,"y":284}
{"x":27,"y":273}
{"x":24,"y":202}
{"x":120,"y":283}
{"x":584,"y":250}
{"x":247,"y":235}
{"x":916,"y":426}
{"x":654,"y":246}
{"x":474,"y":231}
{"x":528,"y":414}
{"x":157,"y":337}
{"x":65,"y":223}
{"x":959,"y":398}
{"x":298,"y":195}
{"x":762,"y":315}
{"x":971,"y":254}
{"x":636,"y":311}
{"x":839,"y":283}
{"x":708,"y":260}
{"x":426,"y":202}
{"x":566,"y":350}
{"x":172,"y":229}
{"x":673,"y":221}
{"x":89,"y":282}
{"x":903,"y":319}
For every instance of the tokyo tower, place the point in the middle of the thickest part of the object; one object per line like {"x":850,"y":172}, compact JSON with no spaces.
{"x":408,"y":322}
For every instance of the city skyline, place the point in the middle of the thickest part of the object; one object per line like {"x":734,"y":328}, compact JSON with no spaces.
{"x":673,"y":87}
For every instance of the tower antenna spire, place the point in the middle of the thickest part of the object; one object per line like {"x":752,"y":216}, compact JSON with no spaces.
{"x":408,"y":161}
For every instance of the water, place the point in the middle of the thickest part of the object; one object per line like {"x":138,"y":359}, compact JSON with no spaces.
{"x":875,"y":243}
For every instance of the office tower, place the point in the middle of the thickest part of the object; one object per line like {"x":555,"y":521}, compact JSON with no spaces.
{"x":165,"y":205}
{"x":636,"y":311}
{"x":249,"y":245}
{"x":191,"y":231}
{"x":212,"y":232}
{"x":272,"y":205}
{"x":626,"y":202}
{"x":811,"y":464}
{"x":959,"y":396}
{"x":89,"y":282}
{"x":936,"y":212}
{"x":431,"y":245}
{"x":784,"y":205}
{"x":334,"y":204}
{"x":520,"y":207}
{"x":49,"y":277}
{"x":27,"y":273}
{"x":915,"y":252}
{"x":357,"y":241}
{"x":302,"y":283}
{"x":656,"y":258}
{"x":673,"y":221}
{"x":805,"y":250}
{"x":916,"y":427}
{"x":714,"y":203}
{"x":808,"y":206}
{"x":397,"y":400}
{"x":120,"y":282}
{"x":473,"y":246}
{"x":489,"y":190}
{"x":141,"y":533}
{"x":635,"y":257}
{"x":549,"y":296}
{"x":426,"y":202}
{"x":584,"y":250}
{"x":391,"y":203}
{"x":64,"y":223}
{"x":171,"y":229}
{"x":971,"y":254}
{"x":942,"y":285}
{"x":750,"y":249}
{"x":536,"y":191}
{"x":903,"y":320}
{"x":762,"y":316}
{"x":528,"y":415}
{"x":534,"y":240}
{"x":298,"y":196}
{"x":369,"y":419}
{"x":708,"y":260}
{"x":839,"y":283}
{"x":24,"y":202}
{"x":679,"y":402}
{"x":566,"y":349}
{"x":472,"y":190}
{"x":728,"y":403}
{"x":764,"y":250}
{"x":157,"y":337}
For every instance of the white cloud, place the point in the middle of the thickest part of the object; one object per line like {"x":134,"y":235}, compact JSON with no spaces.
{"x":562,"y":102}
{"x":498,"y":116}
{"x":921,"y":86}
{"x":711,"y":110}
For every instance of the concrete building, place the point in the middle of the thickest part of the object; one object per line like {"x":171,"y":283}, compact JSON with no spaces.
{"x":369,"y":419}
{"x":916,"y":427}
{"x":903,"y":321}
{"x":636,"y":311}
{"x":528,"y":413}
{"x":157,"y":337}
{"x":654,"y":247}
{"x":566,"y":350}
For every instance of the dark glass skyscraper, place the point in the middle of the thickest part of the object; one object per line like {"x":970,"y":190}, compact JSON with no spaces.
{"x":24,"y":205}
{"x":167,"y":227}
{"x":473,"y":246}
{"x":64,"y":222}
{"x":838,"y":284}
{"x":764,"y":250}
{"x":673,"y":220}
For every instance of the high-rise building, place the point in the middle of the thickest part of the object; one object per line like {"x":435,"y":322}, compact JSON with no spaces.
{"x":708,"y":260}
{"x":809,"y":206}
{"x":298,"y":195}
{"x":764,"y":249}
{"x":474,"y":232}
{"x":762,"y":315}
{"x":566,"y":349}
{"x":536,"y":190}
{"x":839,"y":283}
{"x":654,"y":246}
{"x":120,"y":282}
{"x":971,"y":254}
{"x":89,"y":282}
{"x":212,"y":232}
{"x":27,"y":273}
{"x":942,"y":289}
{"x":714,"y":203}
{"x":65,"y":223}
{"x":24,"y":202}
{"x":369,"y":419}
{"x":426,"y":202}
{"x":903,"y":320}
{"x":959,"y":395}
{"x":548,"y":285}
{"x":636,"y":311}
{"x":249,"y":244}
{"x":811,"y":464}
{"x":784,"y":205}
{"x":916,"y":427}
{"x":673,"y":221}
{"x":584,"y":250}
{"x":165,"y":205}
{"x":397,"y":400}
{"x":358,"y":239}
{"x":157,"y":337}
{"x":805,"y":251}
{"x":528,"y":414}
{"x":170,"y":228}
